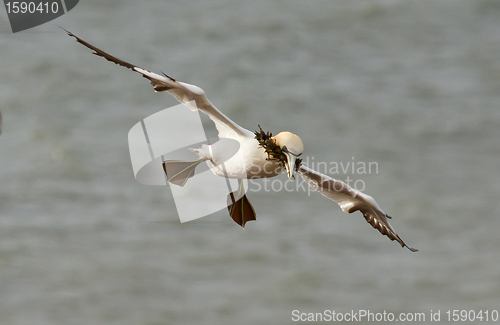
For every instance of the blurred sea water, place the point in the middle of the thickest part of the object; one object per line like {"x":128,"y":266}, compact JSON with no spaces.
{"x":411,"y":85}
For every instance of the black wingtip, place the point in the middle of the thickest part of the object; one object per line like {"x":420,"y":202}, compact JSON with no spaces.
{"x":403,"y":244}
{"x":67,"y":31}
{"x":100,"y":52}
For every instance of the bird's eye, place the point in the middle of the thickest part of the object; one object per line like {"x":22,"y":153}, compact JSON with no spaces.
{"x":284,"y":149}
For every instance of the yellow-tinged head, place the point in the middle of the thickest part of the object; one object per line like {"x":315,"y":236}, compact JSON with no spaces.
{"x":292,"y":147}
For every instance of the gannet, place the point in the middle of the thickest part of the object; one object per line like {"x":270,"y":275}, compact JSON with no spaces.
{"x":260,"y":155}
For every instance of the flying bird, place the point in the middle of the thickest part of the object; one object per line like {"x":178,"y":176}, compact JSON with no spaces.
{"x":260,"y":155}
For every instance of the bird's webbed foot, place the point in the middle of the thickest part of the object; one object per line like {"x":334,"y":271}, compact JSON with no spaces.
{"x":239,"y":207}
{"x":178,"y":171}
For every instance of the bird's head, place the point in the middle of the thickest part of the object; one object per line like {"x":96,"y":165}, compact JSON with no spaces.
{"x":292,"y":147}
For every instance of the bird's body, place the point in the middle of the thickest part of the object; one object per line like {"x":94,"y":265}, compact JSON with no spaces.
{"x":249,"y":161}
{"x":243,"y":154}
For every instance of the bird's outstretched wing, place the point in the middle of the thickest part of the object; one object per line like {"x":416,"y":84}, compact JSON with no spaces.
{"x":183,"y":92}
{"x":351,"y":200}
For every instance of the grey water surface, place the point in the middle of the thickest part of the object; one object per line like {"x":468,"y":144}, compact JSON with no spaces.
{"x":413,"y":86}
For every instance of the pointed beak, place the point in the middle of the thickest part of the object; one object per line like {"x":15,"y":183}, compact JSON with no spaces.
{"x":290,"y":165}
